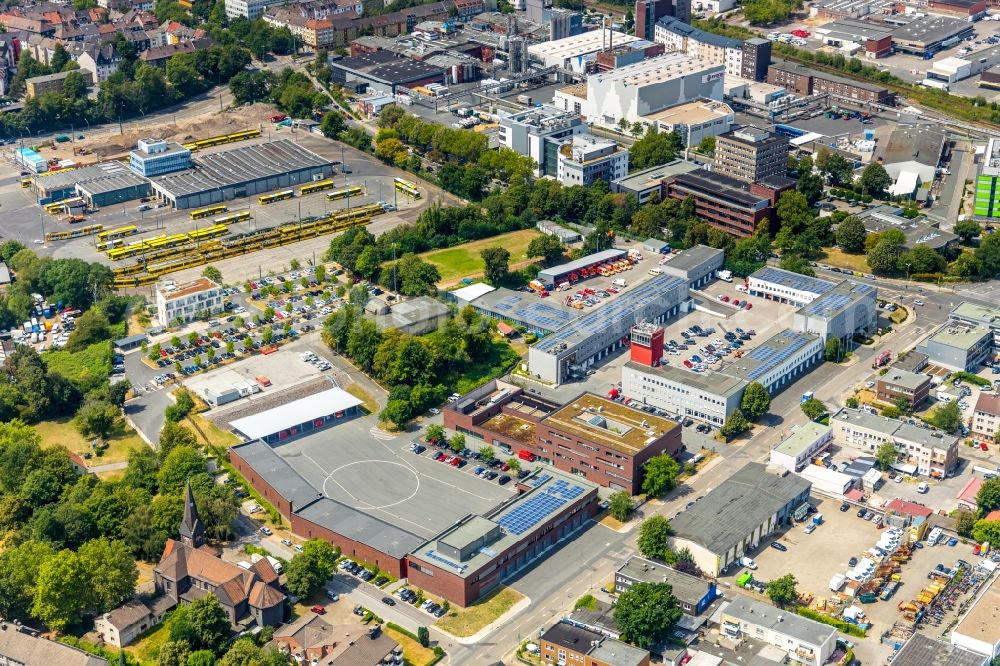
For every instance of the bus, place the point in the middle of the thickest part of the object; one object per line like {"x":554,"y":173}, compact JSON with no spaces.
{"x":232,"y":218}
{"x":318,"y":186}
{"x":208,"y":212}
{"x":104,"y":246}
{"x":119,"y":232}
{"x":277,"y":196}
{"x":344,"y":193}
{"x":406,"y":187}
{"x":55,"y":208}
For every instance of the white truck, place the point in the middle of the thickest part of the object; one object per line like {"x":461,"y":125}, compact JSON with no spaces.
{"x":725,"y":276}
{"x":837,"y":582}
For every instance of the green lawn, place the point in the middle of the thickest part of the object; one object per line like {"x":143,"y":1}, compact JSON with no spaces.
{"x":840,"y":259}
{"x":147,"y":648}
{"x":467,"y":621}
{"x":458,"y":262}
{"x":61,"y":432}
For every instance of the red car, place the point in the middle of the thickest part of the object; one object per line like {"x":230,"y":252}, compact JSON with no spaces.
{"x":749,"y":305}
{"x":455,"y":462}
{"x":725,"y":299}
{"x":447,"y":459}
{"x":688,"y":364}
{"x":982,"y":445}
{"x":319,"y":610}
{"x":440,"y":455}
{"x":504,"y":467}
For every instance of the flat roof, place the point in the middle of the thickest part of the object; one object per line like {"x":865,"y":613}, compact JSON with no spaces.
{"x":622,"y":307}
{"x":960,"y":334}
{"x":654,"y":176}
{"x":172,"y":291}
{"x":791,"y":280}
{"x":582,"y":44}
{"x":691,"y":113}
{"x":780,"y":621}
{"x":693,"y":257}
{"x":609,"y":423}
{"x":726,"y":515}
{"x":709,"y":382}
{"x":802,"y":437}
{"x":512,"y":426}
{"x":905,"y":378}
{"x":980,"y":623}
{"x":718,"y":184}
{"x":550,"y":491}
{"x":855,"y":29}
{"x":547,"y":314}
{"x":981,"y":313}
{"x":922,"y":650}
{"x":240,"y":165}
{"x":769,"y":355}
{"x":666,"y":67}
{"x":929,"y":30}
{"x":90,"y":176}
{"x":473,"y":291}
{"x":929,"y":438}
{"x":686,"y":587}
{"x":277,"y":473}
{"x":838,"y":299}
{"x":584,"y":262}
{"x":360,"y":527}
{"x":293,"y":413}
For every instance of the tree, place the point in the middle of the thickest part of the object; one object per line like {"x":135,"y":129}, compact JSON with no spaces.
{"x":756,"y":401}
{"x":332,"y":125}
{"x":782,"y":590}
{"x":423,"y":636}
{"x":966,"y":265}
{"x":947,"y":417}
{"x":456,"y":442}
{"x":91,"y":327}
{"x":835,"y":167}
{"x":513,"y":464}
{"x":814,"y":409}
{"x":109,"y":571}
{"x":884,"y":257}
{"x":832,"y":350}
{"x":967,"y":230}
{"x":620,"y":505}
{"x":19,"y":567}
{"x":203,"y":623}
{"x":645,"y":613}
{"x":213,"y":274}
{"x":60,"y":591}
{"x":434,"y":433}
{"x":655,"y":148}
{"x":179,"y":465}
{"x":736,"y":424}
{"x":173,"y":435}
{"x":988,"y":497}
{"x":658,"y":475}
{"x":921,"y":259}
{"x":496,"y":264}
{"x":851,"y":234}
{"x":547,"y":246}
{"x":310,"y":569}
{"x":988,"y":254}
{"x":652,"y":541}
{"x":175,"y":653}
{"x":707,"y":146}
{"x":811,"y":186}
{"x":986,"y":530}
{"x":886,"y":456}
{"x":486,"y":454}
{"x":97,"y":418}
{"x":874,"y":179}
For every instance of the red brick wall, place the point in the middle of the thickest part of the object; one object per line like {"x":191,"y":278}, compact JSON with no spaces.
{"x":441,"y":582}
{"x":349,"y":547}
{"x":283,"y":506}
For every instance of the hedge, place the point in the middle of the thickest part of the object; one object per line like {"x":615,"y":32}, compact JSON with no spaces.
{"x":839,"y":625}
{"x":972,"y":379}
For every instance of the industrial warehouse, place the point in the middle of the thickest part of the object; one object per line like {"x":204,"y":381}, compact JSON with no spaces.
{"x":241,"y":172}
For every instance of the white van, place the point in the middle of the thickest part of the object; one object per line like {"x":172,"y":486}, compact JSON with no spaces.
{"x":934,"y":536}
{"x":655,"y":271}
{"x":742,"y":289}
{"x":923,"y":488}
{"x":748,"y":563}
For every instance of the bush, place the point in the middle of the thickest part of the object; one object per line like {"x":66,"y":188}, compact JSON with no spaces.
{"x":839,"y":625}
{"x":971,"y":378}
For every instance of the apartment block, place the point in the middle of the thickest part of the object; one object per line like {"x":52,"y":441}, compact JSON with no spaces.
{"x":921,"y":451}
{"x":187,"y":301}
{"x":751,"y":154}
{"x":986,"y":418}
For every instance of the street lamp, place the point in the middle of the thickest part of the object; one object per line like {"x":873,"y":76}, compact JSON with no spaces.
{"x":907,"y":285}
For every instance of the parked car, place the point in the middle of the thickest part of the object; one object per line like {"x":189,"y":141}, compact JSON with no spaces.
{"x":779,"y":546}
{"x":388,"y":601}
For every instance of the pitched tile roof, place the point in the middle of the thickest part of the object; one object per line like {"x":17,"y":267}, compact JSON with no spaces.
{"x":130,"y":613}
{"x":265,"y":596}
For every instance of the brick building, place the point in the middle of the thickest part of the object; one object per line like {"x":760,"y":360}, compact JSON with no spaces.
{"x":722,"y":201}
{"x":804,"y":81}
{"x":913,"y":387}
{"x":591,"y":437}
{"x":569,"y":645}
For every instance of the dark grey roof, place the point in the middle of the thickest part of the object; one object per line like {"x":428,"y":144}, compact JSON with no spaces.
{"x":694,"y":257}
{"x":809,"y":632}
{"x":277,"y":473}
{"x":130,"y":340}
{"x":718,"y":185}
{"x":360,"y":527}
{"x":681,"y":28}
{"x":689,"y":589}
{"x":744,"y":501}
{"x":922,"y":650}
{"x":23,"y":647}
{"x":921,"y":144}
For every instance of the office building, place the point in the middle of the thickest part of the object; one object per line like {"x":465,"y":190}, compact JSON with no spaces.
{"x":971,"y":313}
{"x":640,"y":89}
{"x":527,"y":310}
{"x":248,"y":9}
{"x":652,"y":181}
{"x":590,"y":437}
{"x":751,"y":154}
{"x":897,"y":384}
{"x":988,"y":182}
{"x":921,"y":451}
{"x":756,"y":59}
{"x":986,"y":419}
{"x":723,"y":201}
{"x":693,"y":121}
{"x":798,"y":449}
{"x":565,"y":643}
{"x":959,"y":346}
{"x":36,"y":86}
{"x":917,"y":231}
{"x":472,"y":558}
{"x":647,"y":13}
{"x":155,"y":157}
{"x":538,"y":133}
{"x":678,"y":36}
{"x":737,"y":515}
{"x":187,"y":301}
{"x":585,"y":158}
{"x":603,"y":330}
{"x":693,"y":594}
{"x":803,"y":641}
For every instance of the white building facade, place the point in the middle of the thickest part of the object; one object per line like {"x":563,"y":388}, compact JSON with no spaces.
{"x":188,"y":301}
{"x":586,"y":158}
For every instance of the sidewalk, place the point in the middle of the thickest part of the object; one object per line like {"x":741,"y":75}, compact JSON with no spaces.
{"x":485,"y":631}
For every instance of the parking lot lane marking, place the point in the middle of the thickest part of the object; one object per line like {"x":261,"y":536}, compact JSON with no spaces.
{"x":329,"y":477}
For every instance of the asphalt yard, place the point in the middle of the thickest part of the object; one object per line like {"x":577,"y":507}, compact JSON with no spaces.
{"x":373,"y":471}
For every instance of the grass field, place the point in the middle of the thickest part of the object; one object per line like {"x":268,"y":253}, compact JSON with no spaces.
{"x":61,"y":432}
{"x":467,"y":621}
{"x":413,"y":652}
{"x":147,"y":647}
{"x":458,"y":262}
{"x":840,"y":259}
{"x":208,"y":433}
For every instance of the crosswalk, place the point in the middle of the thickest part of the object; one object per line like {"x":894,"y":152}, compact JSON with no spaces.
{"x":380,"y":434}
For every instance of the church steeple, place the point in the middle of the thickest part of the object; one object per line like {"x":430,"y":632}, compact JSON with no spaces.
{"x":192,"y":531}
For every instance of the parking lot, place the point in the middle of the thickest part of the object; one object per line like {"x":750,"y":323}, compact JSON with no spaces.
{"x":370,"y":470}
{"x":282,"y":370}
